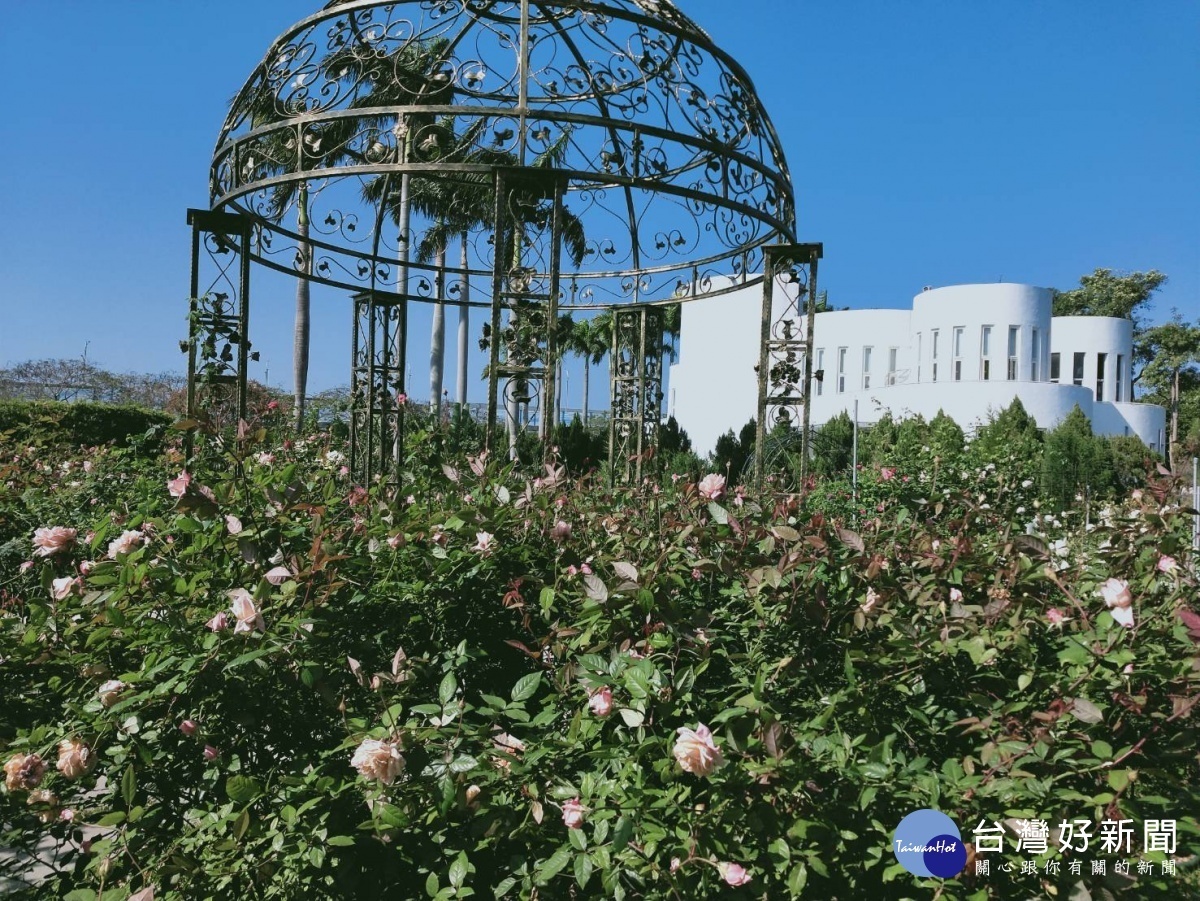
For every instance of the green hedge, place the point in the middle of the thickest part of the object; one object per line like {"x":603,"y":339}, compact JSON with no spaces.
{"x":56,"y":423}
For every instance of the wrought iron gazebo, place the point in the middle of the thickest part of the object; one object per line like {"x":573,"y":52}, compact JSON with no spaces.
{"x":565,"y":154}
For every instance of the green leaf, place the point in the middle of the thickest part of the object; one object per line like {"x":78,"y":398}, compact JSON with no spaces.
{"x":242,"y":789}
{"x":80,"y":894}
{"x":1118,"y":779}
{"x":1086,"y":711}
{"x":1023,"y":681}
{"x":797,"y":879}
{"x":459,"y":869}
{"x":622,"y":833}
{"x":583,"y":870}
{"x":431,"y":885}
{"x":128,"y":785}
{"x":632,"y":718}
{"x":718,"y":513}
{"x":526,"y":688}
{"x":447,"y":689}
{"x":463,"y":763}
{"x":578,"y":839}
{"x":553,"y":865}
{"x":340,"y":841}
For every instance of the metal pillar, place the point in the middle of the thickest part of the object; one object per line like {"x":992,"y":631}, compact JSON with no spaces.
{"x":376,"y":379}
{"x":218,"y":316}
{"x":636,"y":390}
{"x":786,"y":350}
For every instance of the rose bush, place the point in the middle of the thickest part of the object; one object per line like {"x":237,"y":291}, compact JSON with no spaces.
{"x":683,"y":695}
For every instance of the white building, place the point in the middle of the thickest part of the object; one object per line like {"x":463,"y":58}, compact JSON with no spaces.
{"x":966,"y":349}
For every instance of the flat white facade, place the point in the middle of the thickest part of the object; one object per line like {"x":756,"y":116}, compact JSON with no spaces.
{"x":968,"y":350}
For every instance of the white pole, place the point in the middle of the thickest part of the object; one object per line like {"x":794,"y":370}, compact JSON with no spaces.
{"x":1195,"y":504}
{"x":854,"y":462}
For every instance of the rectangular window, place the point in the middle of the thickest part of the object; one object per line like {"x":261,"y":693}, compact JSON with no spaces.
{"x":1101,"y":360}
{"x":1054,"y":367}
{"x":1077,"y":369}
{"x":893,"y":352}
{"x":985,"y":353}
{"x":918,"y":356}
{"x":1013,"y":331}
{"x":958,"y":340}
{"x":821,"y":369}
{"x":1120,"y":374}
{"x":933,"y":340}
{"x":1035,"y":359}
{"x":841,"y":372}
{"x":866,"y":367}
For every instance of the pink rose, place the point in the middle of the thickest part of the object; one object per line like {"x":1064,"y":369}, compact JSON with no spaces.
{"x":53,"y":540}
{"x":585,"y":569}
{"x":379,"y":760}
{"x":177,"y":486}
{"x":73,"y":758}
{"x":233,"y":524}
{"x":23,"y":772}
{"x":211,"y":753}
{"x":25,"y":567}
{"x":484,"y":542}
{"x":1055,"y":616}
{"x":265,"y":459}
{"x":887,"y":473}
{"x":1116,"y":595}
{"x":110,"y":691}
{"x":600,"y":702}
{"x":956,"y":596}
{"x":696,"y":574}
{"x":244,"y":610}
{"x":189,"y":727}
{"x":676,"y":863}
{"x":394,"y":541}
{"x":218,"y":623}
{"x":712,"y":487}
{"x":696,"y":752}
{"x":86,"y":567}
{"x":87,"y":465}
{"x":61,"y":589}
{"x":572,"y":814}
{"x":126,"y":543}
{"x":561,"y":531}
{"x":1167,"y":564}
{"x":734,"y":874}
{"x":572,"y":570}
{"x":872,"y":599}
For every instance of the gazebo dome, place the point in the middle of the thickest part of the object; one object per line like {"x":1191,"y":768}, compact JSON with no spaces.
{"x":615,"y":125}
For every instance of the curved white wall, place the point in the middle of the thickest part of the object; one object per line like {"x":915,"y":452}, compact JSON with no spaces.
{"x":974,"y":308}
{"x":1091,"y":336}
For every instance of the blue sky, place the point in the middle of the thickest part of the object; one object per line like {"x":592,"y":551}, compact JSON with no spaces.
{"x":931,"y":142}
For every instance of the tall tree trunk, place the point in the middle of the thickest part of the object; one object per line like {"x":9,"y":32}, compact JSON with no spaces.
{"x":437,"y":339}
{"x":464,"y":327}
{"x":512,"y":406}
{"x":587,"y":369}
{"x":300,"y":337}
{"x":1174,"y":421}
{"x":399,"y":343}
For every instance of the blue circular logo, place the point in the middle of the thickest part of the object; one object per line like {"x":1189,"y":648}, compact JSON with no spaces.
{"x":928,"y":843}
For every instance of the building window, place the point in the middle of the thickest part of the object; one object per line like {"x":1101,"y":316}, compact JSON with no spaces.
{"x":1101,"y":360}
{"x":866,"y":367}
{"x":958,"y":339}
{"x":1054,"y":364}
{"x":1077,"y":369}
{"x":893,"y":353}
{"x":1035,"y":360}
{"x":985,"y":353}
{"x":841,"y":372}
{"x":1013,"y":331}
{"x":933,"y":340}
{"x":821,"y":369}
{"x":1120,"y":372}
{"x":918,"y":356}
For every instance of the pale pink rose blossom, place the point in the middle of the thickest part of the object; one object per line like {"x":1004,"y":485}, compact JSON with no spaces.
{"x":572,"y":570}
{"x":211,"y":753}
{"x":247,"y":614}
{"x":696,"y":574}
{"x":278,"y":575}
{"x":484,"y":542}
{"x":110,"y":691}
{"x":66,"y":814}
{"x":218,"y":623}
{"x":1137,"y":494}
{"x":61,"y":589}
{"x":734,"y":874}
{"x":265,"y":459}
{"x":86,"y":567}
{"x":233,"y":524}
{"x":74,"y":758}
{"x":1055,"y":616}
{"x":23,"y":772}
{"x":956,"y":596}
{"x":696,"y":752}
{"x":1167,"y":564}
{"x":87,"y":465}
{"x":25,"y":567}
{"x":585,"y":569}
{"x":561,"y":531}
{"x":394,"y":541}
{"x":1116,"y":595}
{"x":676,"y":863}
{"x":379,"y":760}
{"x":411,"y":499}
{"x":189,"y":727}
{"x":53,"y":540}
{"x":126,"y":543}
{"x":600,"y":702}
{"x":177,"y":486}
{"x":886,"y":473}
{"x":712,"y":487}
{"x":572,"y":813}
{"x":870,"y":602}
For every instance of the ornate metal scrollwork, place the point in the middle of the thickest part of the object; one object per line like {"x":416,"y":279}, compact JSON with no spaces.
{"x":377,"y":388}
{"x":636,"y":367}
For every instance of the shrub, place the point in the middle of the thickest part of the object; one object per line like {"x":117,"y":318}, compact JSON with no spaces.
{"x":76,"y":424}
